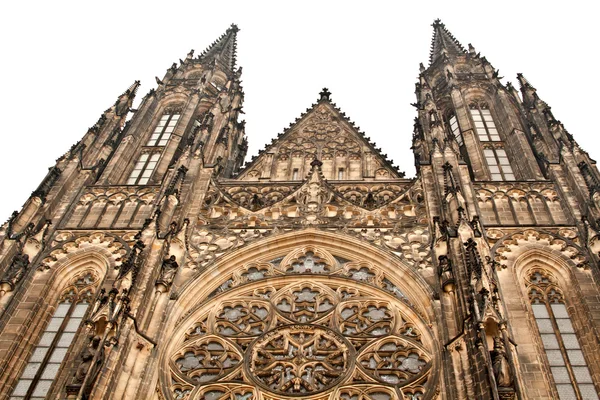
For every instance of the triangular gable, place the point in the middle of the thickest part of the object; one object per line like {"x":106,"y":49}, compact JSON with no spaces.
{"x":326,"y":134}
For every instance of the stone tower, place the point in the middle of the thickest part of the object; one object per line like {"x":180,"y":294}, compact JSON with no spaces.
{"x":151,"y":263}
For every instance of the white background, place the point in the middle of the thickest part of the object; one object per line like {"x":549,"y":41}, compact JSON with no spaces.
{"x":63,"y":63}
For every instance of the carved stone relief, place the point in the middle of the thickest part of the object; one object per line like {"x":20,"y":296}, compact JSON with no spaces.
{"x":317,"y":339}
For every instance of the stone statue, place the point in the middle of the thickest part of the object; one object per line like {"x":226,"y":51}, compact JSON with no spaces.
{"x":168,"y":270}
{"x":17,"y":269}
{"x":87,"y":356}
{"x":500,"y":364}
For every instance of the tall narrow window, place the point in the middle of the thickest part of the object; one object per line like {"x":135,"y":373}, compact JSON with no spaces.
{"x":44,"y":363}
{"x":163,"y":130}
{"x":484,"y":124}
{"x":498,"y":164}
{"x":142,"y":171}
{"x":454,"y":128}
{"x":340,"y":173}
{"x":295,"y":174}
{"x":561,"y":345}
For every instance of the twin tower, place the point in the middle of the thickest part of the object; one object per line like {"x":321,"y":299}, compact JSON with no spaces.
{"x":152,"y":263}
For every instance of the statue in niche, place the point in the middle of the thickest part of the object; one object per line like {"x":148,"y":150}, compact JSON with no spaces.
{"x":87,"y":356}
{"x":168,"y":270}
{"x":17,"y":269}
{"x":92,"y":358}
{"x":500,"y":364}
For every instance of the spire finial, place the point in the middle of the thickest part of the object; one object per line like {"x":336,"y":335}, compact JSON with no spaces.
{"x":223,"y":49}
{"x":524,"y":82}
{"x":325,"y":93}
{"x":443,"y":43}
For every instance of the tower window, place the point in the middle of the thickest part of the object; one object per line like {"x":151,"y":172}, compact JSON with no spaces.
{"x":51,"y":350}
{"x":497,"y":162}
{"x":295,"y":174}
{"x":340,"y":173}
{"x":454,"y":128}
{"x":163,"y":130}
{"x":484,"y":124}
{"x":143,"y":169}
{"x":561,"y":345}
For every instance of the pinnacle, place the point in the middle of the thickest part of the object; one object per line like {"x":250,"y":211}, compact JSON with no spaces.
{"x":131,"y":91}
{"x":443,"y":42}
{"x":523,"y":81}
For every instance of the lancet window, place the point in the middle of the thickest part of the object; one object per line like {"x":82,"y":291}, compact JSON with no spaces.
{"x":561,"y":345}
{"x":142,"y":171}
{"x":44,"y":363}
{"x":484,"y":123}
{"x":164,"y":129}
{"x":455,"y":130}
{"x":498,"y":164}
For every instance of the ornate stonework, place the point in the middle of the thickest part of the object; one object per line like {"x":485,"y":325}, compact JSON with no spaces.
{"x":152,"y":263}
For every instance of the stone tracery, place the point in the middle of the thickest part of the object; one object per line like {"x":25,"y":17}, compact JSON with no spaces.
{"x":322,"y":338}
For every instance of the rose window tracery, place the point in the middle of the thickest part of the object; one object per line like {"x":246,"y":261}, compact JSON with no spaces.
{"x":300,"y":359}
{"x":358,"y":319}
{"x":305,"y":303}
{"x":394,"y":361}
{"x":242,"y":319}
{"x":347,"y":332}
{"x":208,"y":359}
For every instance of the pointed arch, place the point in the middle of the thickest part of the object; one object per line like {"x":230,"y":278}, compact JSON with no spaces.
{"x":59,"y":298}
{"x":559,"y":331}
{"x":271,"y":285}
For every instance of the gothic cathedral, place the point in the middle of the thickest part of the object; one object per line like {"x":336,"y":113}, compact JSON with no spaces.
{"x":152,"y":263}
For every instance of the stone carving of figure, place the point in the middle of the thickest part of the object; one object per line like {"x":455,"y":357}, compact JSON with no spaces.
{"x":168,"y":270}
{"x":87,"y":356}
{"x":16,"y":270}
{"x":500,"y":364}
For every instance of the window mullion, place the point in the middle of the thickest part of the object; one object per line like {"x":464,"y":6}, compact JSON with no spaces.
{"x":563,"y":350}
{"x":498,"y":164}
{"x":51,"y":348}
{"x":163,"y":130}
{"x":485,"y":127}
{"x":139,"y":178}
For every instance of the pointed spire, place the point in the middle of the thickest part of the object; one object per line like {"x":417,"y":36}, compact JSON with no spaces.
{"x":529,"y":93}
{"x":524,"y":82}
{"x":223,"y":49}
{"x":132,"y":90}
{"x":443,"y":42}
{"x":123,"y":103}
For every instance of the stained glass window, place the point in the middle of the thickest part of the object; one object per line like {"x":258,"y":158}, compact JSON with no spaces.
{"x":142,"y":171}
{"x":561,"y":345}
{"x":163,"y":130}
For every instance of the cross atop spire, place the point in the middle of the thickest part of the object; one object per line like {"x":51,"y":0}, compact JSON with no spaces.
{"x":443,"y":42}
{"x":223,"y":49}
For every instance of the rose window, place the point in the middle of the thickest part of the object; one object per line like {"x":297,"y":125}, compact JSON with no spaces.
{"x":345,"y":336}
{"x":299,"y":359}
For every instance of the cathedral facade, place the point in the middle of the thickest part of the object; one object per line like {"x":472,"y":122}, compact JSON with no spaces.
{"x":152,"y":263}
